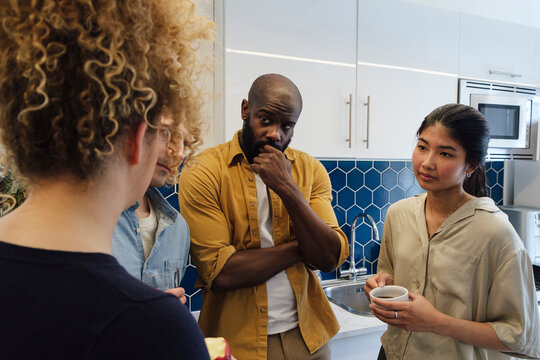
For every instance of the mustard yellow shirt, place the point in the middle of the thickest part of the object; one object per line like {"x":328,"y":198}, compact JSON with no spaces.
{"x":218,"y":198}
{"x":474,"y":267}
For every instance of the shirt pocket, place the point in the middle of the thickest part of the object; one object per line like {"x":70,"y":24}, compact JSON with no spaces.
{"x":177,"y":266}
{"x":452,"y":274}
{"x":173,"y":264}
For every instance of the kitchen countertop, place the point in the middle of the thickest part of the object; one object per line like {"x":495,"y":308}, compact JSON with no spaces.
{"x":354,"y":325}
{"x":349,"y":324}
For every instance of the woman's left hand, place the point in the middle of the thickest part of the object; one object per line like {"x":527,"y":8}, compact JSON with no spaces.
{"x":415,"y":315}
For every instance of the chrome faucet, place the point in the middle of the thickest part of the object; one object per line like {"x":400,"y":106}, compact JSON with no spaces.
{"x":352,"y":273}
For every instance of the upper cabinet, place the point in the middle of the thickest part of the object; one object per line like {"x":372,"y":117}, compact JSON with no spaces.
{"x":407,"y":65}
{"x":313,"y":42}
{"x":369,"y":71}
{"x":408,"y":35}
{"x":499,"y":50}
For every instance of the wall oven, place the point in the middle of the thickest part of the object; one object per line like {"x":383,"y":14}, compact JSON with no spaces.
{"x":512,"y":112}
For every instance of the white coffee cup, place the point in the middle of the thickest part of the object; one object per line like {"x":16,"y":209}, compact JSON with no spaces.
{"x":392,"y":293}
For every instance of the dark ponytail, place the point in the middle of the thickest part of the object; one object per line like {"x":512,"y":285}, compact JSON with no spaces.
{"x":470,"y":129}
{"x":476,"y":184}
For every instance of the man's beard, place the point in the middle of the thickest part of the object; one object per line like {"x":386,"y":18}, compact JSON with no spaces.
{"x":252,"y":148}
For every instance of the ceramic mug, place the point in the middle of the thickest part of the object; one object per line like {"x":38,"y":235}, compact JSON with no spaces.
{"x":390,"y":293}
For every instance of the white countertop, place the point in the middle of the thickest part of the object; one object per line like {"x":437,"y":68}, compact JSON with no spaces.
{"x":349,"y":324}
{"x":352,"y":325}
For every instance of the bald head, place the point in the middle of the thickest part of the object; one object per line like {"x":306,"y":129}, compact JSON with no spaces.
{"x":275,"y":84}
{"x":270,"y":114}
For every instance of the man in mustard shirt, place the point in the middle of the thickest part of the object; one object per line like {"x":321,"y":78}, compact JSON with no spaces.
{"x":261,"y":220}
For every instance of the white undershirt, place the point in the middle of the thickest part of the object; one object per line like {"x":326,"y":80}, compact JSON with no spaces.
{"x":147,"y":229}
{"x":282,"y":314}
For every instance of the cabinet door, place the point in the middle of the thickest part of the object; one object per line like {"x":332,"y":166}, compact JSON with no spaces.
{"x":313,"y":42}
{"x":499,"y":51}
{"x":408,"y":35}
{"x":407,"y":65}
{"x":398,"y":102}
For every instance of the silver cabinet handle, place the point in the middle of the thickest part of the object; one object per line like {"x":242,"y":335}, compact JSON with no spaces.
{"x":504,"y":73}
{"x":366,"y":140}
{"x":349,"y":103}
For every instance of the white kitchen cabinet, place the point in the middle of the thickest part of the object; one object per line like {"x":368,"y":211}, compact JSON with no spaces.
{"x":358,"y":337}
{"x":398,"y":102}
{"x":313,"y":42}
{"x":499,"y":51}
{"x":404,"y":55}
{"x":408,"y":35}
{"x":406,"y":63}
{"x":407,"y":66}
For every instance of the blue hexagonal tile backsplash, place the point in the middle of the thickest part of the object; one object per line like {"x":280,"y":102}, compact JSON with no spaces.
{"x":357,"y":186}
{"x":371,"y":187}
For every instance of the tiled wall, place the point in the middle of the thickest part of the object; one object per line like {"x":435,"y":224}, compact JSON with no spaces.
{"x":371,"y":187}
{"x":358,"y":186}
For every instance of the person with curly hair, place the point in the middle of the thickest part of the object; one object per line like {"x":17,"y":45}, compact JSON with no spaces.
{"x":82,"y":86}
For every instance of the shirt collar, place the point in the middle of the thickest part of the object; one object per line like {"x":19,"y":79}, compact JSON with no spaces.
{"x":159,"y":203}
{"x":236,"y":153}
{"x":466,"y":210}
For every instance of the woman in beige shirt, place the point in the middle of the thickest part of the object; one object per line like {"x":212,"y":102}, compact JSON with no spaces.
{"x":470,"y":280}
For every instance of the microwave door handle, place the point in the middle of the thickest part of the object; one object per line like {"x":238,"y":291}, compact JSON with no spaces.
{"x":504,"y":73}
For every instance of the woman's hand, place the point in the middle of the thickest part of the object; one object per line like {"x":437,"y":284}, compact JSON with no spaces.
{"x":415,"y":315}
{"x":179,"y":292}
{"x":380,"y":279}
{"x":419,"y":315}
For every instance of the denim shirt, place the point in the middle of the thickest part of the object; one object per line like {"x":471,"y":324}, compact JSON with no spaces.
{"x":170,"y":251}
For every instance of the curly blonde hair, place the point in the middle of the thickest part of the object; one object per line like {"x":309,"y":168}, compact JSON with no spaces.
{"x":76,"y":74}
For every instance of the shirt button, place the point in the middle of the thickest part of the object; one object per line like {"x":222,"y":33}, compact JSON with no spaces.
{"x":261,"y":309}
{"x":137,"y":230}
{"x":251,"y":203}
{"x":250,"y":179}
{"x":254,"y":232}
{"x":417,"y":284}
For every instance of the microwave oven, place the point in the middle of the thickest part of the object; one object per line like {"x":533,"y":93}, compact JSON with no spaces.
{"x":512,"y":112}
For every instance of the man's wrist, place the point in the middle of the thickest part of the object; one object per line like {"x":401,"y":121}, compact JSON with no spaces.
{"x":293,"y":248}
{"x":287,"y":190}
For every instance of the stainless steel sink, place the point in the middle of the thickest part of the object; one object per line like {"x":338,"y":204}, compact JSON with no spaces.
{"x":349,"y":295}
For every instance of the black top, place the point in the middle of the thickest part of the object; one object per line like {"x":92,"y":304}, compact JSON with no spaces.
{"x":69,"y":305}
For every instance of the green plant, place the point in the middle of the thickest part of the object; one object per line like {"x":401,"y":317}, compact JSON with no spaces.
{"x":12,"y":193}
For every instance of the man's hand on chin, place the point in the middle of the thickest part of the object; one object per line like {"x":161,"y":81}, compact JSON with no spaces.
{"x":273,"y":168}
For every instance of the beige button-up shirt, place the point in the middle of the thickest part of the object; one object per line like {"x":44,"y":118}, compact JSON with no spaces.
{"x":474,"y":267}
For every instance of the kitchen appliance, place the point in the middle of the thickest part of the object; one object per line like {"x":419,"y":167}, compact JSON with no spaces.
{"x":512,"y":112}
{"x":526,"y":222}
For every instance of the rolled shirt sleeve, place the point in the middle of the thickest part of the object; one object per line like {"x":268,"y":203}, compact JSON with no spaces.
{"x":210,"y":233}
{"x":516,"y":327}
{"x":320,"y":200}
